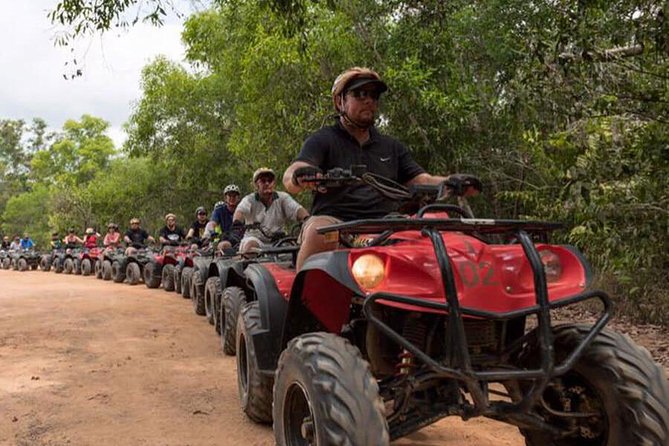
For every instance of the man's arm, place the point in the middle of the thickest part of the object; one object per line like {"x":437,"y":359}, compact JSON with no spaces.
{"x":426,"y":178}
{"x":238,"y":216}
{"x":302,"y":214}
{"x":471,"y":188}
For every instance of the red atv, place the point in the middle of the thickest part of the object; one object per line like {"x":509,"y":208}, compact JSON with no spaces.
{"x":161,"y":267}
{"x":86,"y":260}
{"x":422,"y":317}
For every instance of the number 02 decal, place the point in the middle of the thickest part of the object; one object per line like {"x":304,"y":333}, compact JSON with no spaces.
{"x":473,"y":274}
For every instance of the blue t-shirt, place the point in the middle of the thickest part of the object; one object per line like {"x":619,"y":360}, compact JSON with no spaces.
{"x":222,"y":216}
{"x":27,"y":244}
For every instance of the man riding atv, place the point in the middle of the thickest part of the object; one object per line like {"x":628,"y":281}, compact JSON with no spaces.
{"x":221,"y":217}
{"x":171,"y":234}
{"x":353,"y":139}
{"x":196,"y":232}
{"x":136,"y":237}
{"x":268,"y":208}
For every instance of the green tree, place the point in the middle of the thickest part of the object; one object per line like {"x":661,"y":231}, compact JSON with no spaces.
{"x":74,"y":159}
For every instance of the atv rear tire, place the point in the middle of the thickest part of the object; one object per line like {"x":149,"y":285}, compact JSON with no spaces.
{"x":168,"y":277}
{"x":6,"y":263}
{"x":107,"y":270}
{"x":212,"y":290}
{"x":324,"y":393}
{"x":152,"y":271}
{"x":86,"y":267}
{"x":68,"y":266}
{"x":23,"y":265}
{"x":255,"y":388}
{"x":614,"y":377}
{"x":133,"y":273}
{"x":117,"y":272}
{"x":232,"y":301}
{"x":197,"y":293}
{"x":186,"y":277}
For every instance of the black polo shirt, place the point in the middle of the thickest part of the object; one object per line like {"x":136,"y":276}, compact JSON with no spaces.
{"x":334,"y":147}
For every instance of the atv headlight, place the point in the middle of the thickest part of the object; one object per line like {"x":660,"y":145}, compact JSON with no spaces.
{"x":552,"y":265}
{"x":368,"y":270}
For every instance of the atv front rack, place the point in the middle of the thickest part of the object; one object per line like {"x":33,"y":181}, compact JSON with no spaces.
{"x":459,"y":365}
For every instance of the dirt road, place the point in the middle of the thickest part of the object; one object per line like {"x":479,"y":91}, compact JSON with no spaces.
{"x":87,"y":362}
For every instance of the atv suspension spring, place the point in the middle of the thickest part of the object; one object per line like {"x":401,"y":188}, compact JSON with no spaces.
{"x":406,"y":364}
{"x":414,"y":331}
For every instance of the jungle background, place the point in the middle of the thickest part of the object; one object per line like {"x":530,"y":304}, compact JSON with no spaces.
{"x":560,"y":107}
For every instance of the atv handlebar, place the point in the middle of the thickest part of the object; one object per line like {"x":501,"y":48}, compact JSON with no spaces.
{"x":456,"y":185}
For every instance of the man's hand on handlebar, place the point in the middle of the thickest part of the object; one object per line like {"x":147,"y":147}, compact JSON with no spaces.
{"x":303,"y":177}
{"x":461,"y":185}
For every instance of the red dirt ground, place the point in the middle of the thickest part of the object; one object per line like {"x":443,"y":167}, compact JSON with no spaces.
{"x":87,"y":362}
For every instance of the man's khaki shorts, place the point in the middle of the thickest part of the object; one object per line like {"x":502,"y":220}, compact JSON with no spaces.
{"x":317,"y":221}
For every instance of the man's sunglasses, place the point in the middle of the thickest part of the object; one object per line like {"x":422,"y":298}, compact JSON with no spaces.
{"x":364,"y":94}
{"x":201,"y":213}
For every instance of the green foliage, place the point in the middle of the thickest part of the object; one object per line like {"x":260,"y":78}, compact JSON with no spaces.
{"x":81,"y":152}
{"x":561,"y":107}
{"x":29,"y":213}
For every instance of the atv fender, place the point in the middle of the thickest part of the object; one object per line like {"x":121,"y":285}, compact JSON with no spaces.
{"x":201,"y":267}
{"x":273,"y":308}
{"x":321,"y":295}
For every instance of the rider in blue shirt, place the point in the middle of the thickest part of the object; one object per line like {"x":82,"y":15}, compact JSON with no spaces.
{"x":27,"y":242}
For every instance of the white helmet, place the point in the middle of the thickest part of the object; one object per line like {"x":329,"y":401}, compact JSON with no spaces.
{"x":231,"y":188}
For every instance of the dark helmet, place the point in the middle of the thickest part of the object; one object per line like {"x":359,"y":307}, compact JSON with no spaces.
{"x":70,"y":231}
{"x":200,"y":210}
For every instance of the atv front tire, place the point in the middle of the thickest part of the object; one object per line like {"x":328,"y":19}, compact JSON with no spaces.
{"x":117,"y":272}
{"x":23,"y":265}
{"x":133,"y":273}
{"x":211,"y":292}
{"x":615,"y":379}
{"x":197,"y":293}
{"x":186,"y":277}
{"x":86,"y":267}
{"x":45,"y":263}
{"x":177,"y":279}
{"x":168,"y":277}
{"x":152,"y":275}
{"x":324,"y":393}
{"x":255,"y":388}
{"x":68,"y":266}
{"x":97,"y":268}
{"x":232,"y":301}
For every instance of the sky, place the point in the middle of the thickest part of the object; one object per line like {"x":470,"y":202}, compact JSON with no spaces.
{"x":32,"y":66}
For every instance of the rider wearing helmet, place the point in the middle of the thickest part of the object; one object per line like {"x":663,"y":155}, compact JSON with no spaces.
{"x":197,"y":230}
{"x":171,"y":234}
{"x":91,"y":238}
{"x":352,"y":139}
{"x":5,"y":242}
{"x":221,"y":216}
